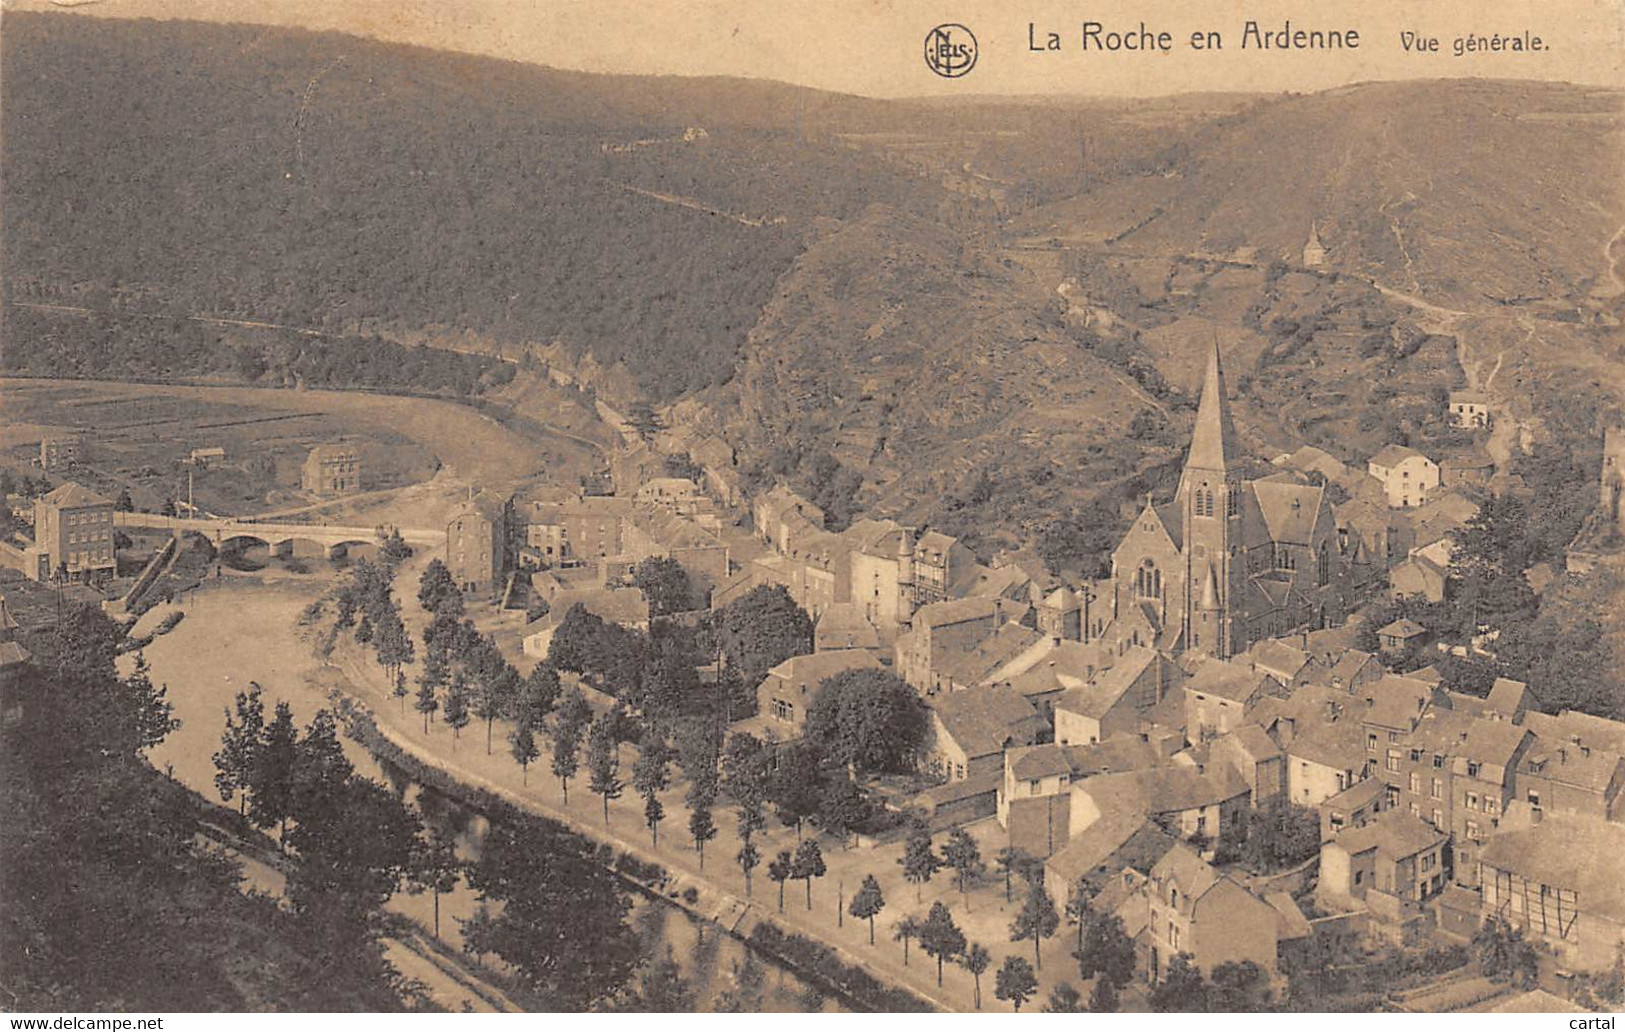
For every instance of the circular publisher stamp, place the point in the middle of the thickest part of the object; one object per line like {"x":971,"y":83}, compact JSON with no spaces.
{"x":950,"y":50}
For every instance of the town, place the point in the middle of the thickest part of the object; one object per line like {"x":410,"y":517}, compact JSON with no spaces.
{"x":1209,"y":762}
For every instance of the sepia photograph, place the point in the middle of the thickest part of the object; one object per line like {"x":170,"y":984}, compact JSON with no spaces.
{"x":991,"y":507}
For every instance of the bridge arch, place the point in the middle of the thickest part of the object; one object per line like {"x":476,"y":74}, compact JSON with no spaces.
{"x":354,"y":549}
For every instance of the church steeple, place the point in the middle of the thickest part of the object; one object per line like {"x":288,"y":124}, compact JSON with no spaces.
{"x":1213,"y":442}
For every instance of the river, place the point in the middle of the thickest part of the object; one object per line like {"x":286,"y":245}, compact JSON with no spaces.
{"x":244,"y":628}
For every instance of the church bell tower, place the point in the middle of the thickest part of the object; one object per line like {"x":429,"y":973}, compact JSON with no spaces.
{"x":1210,"y":500}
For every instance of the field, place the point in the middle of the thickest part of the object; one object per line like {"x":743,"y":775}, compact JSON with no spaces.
{"x":139,"y":435}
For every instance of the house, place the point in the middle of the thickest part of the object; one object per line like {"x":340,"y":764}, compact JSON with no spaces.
{"x":1324,"y":741}
{"x":974,"y":728}
{"x":1436,"y":525}
{"x":1034,"y":802}
{"x":1255,"y":757}
{"x":627,"y":607}
{"x":1408,"y":477}
{"x":1402,"y":634}
{"x":331,"y":469}
{"x":1549,"y":876}
{"x":1470,"y":469}
{"x":1391,"y":865}
{"x":206,"y":456}
{"x":1060,"y":669}
{"x":1352,"y":807}
{"x":1483,"y":765}
{"x":58,"y":452}
{"x":1309,"y":459}
{"x":941,"y":630}
{"x":477,"y":544}
{"x":1292,"y":667}
{"x":1418,"y":577}
{"x":73,"y":530}
{"x":1352,"y":668}
{"x":1470,"y":410}
{"x":1102,"y":852}
{"x":1568,"y":775}
{"x":786,"y":694}
{"x":1190,"y":908}
{"x":775,"y":516}
{"x":575,"y":531}
{"x":1009,"y":650}
{"x":1202,"y":804}
{"x":1219,"y":693}
{"x":1115,"y":700}
{"x":844,"y":626}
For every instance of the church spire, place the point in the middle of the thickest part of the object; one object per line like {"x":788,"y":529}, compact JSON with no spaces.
{"x":1213,"y":443}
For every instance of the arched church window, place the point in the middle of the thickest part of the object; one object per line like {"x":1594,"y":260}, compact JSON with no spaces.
{"x":1148,"y":580}
{"x":1232,"y":502}
{"x":1323,"y":566}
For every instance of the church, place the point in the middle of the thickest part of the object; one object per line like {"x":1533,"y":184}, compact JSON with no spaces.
{"x":1228,"y":561}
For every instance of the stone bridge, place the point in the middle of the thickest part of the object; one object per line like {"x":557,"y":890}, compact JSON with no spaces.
{"x":282,"y":538}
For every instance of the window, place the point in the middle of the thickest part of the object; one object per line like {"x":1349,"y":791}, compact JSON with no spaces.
{"x":1393,"y":736}
{"x":1438,"y":789}
{"x":1359,"y":876}
{"x":1173,"y":935}
{"x":1472,"y":830}
{"x":1416,"y":782}
{"x":1371,"y":741}
{"x":1438,"y":818}
{"x":1416,"y":756}
{"x":1438,"y":763}
{"x":1472,"y":800}
{"x":1392,"y":763}
{"x":1473,"y":769}
{"x":1492,"y":804}
{"x":1428,"y":860}
{"x":1534,"y":799}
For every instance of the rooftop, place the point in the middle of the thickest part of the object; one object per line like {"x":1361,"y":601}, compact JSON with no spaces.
{"x":1395,"y":835}
{"x":73,"y":496}
{"x":1564,"y":852}
{"x":984,"y":721}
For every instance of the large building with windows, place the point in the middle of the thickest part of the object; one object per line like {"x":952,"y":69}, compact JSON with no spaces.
{"x":73,"y":525}
{"x":1228,"y":561}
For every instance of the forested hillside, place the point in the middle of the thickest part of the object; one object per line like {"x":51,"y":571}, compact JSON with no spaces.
{"x":331,"y":183}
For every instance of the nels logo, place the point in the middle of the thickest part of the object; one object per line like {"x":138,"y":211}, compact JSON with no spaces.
{"x":950,"y":50}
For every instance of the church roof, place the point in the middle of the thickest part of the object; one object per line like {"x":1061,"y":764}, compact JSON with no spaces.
{"x":1290,"y":510}
{"x":1213,"y":441}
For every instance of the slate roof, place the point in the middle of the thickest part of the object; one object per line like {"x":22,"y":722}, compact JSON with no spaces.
{"x":1169,"y":789}
{"x":1395,"y":835}
{"x":1564,"y":852}
{"x":612,"y":605}
{"x":1593,"y":731}
{"x":982,"y":720}
{"x":1393,"y":454}
{"x":1095,"y":845}
{"x":813,"y":669}
{"x":959,"y":610}
{"x":1395,"y":702}
{"x":1226,"y":679}
{"x":1276,"y":657}
{"x":1290,"y":510}
{"x":843,"y":626}
{"x":1003,"y":645}
{"x":1402,"y":628}
{"x":73,"y":496}
{"x":1097,"y":698}
{"x":1255,"y":742}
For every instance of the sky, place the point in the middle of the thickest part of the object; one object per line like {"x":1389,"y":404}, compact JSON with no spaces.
{"x":876,"y":47}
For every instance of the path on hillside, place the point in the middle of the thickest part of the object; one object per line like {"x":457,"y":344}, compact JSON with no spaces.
{"x":1613,"y":262}
{"x":696,"y":205}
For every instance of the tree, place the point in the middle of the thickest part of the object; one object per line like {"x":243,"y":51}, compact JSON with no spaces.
{"x":1036,"y":921}
{"x":152,"y":717}
{"x":540,"y":693}
{"x":568,"y":728}
{"x":1103,"y":997}
{"x":437,"y":869}
{"x":1107,"y":950}
{"x":239,"y":746}
{"x":663,"y":989}
{"x":522,"y":745}
{"x":1015,"y":982}
{"x":868,"y":721}
{"x":275,"y":762}
{"x":1182,"y":989}
{"x":809,"y":864}
{"x":940,"y":937}
{"x":436,"y":588}
{"x":1064,"y":999}
{"x":748,"y":857}
{"x":427,"y":702}
{"x":962,"y":854}
{"x":919,"y":861}
{"x":1504,"y":955}
{"x":779,"y":870}
{"x":1010,"y":860}
{"x":665,"y":584}
{"x":904,"y":931}
{"x":1280,"y":834}
{"x":603,"y":762}
{"x":456,"y":712}
{"x":1078,"y":913}
{"x":1239,"y":987}
{"x":650,"y":777}
{"x":842,"y":808}
{"x":976,"y":961}
{"x":698,"y":744}
{"x":867,"y":903}
{"x":702,"y":829}
{"x":761,"y":629}
{"x":796,"y":786}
